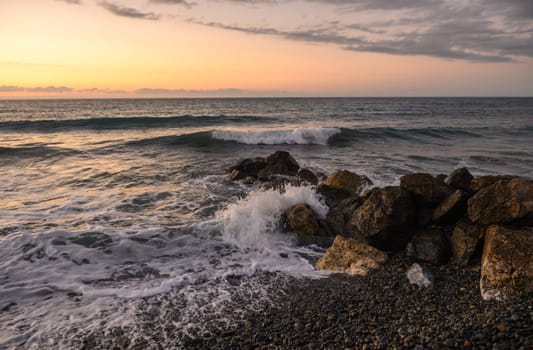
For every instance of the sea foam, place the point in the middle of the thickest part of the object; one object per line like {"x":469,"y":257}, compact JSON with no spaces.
{"x":299,"y":136}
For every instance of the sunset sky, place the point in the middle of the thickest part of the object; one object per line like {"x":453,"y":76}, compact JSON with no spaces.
{"x":233,"y":48}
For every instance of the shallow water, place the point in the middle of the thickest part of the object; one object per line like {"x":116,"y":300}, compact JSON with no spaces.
{"x":106,"y":202}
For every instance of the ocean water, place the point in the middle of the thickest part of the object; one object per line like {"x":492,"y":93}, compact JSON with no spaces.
{"x":107,"y":206}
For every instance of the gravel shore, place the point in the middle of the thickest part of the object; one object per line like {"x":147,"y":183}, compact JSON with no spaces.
{"x":383,"y":311}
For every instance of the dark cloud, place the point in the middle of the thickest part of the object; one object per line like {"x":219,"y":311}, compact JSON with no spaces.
{"x":187,"y":4}
{"x":225,"y":92}
{"x":128,"y":11}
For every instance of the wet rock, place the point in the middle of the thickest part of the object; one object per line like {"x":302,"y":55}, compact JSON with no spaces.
{"x":485,"y":181}
{"x":430,"y":245}
{"x":248,"y":180}
{"x":348,"y":255}
{"x":504,"y":202}
{"x":385,"y":217}
{"x":424,"y":216}
{"x":332,"y":195}
{"x":451,"y":209}
{"x":246,"y":167}
{"x":302,"y":220}
{"x":459,"y":179}
{"x":339,"y":216}
{"x":307,"y":176}
{"x":280,"y":182}
{"x":93,"y":240}
{"x":506,"y":265}
{"x":279,"y":163}
{"x":465,"y":239}
{"x":236,"y":175}
{"x":348,"y":181}
{"x":426,"y":190}
{"x":419,"y":276}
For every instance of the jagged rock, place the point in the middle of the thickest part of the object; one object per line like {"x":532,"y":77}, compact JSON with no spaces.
{"x":279,"y":163}
{"x":339,"y":216}
{"x":440,"y":178}
{"x":465,"y":239}
{"x":419,"y":276}
{"x":280,"y":182}
{"x":451,"y":209}
{"x":424,"y":216}
{"x":246,"y":167}
{"x":332,"y":195}
{"x":302,"y":220}
{"x":484,"y":181}
{"x":348,"y":255}
{"x":506,"y":265}
{"x":504,"y":202}
{"x":348,"y":181}
{"x":426,"y":190}
{"x":459,"y":179}
{"x":248,"y":180}
{"x":385,"y":217}
{"x":308,"y":176}
{"x":430,"y":245}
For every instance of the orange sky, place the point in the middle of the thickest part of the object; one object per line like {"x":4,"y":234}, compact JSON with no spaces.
{"x":91,"y":51}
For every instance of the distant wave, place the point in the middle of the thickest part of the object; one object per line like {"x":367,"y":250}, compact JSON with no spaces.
{"x":298,"y":136}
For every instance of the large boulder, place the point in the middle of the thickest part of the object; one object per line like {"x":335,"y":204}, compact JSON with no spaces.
{"x":485,"y":181}
{"x":459,"y":179}
{"x":279,"y":163}
{"x":504,"y":202}
{"x":451,"y":209}
{"x":348,"y":255}
{"x":302,"y":220}
{"x":339,"y":216}
{"x":249,"y":167}
{"x":465,"y":240}
{"x":506,"y":265}
{"x":426,"y":190}
{"x":348,"y":181}
{"x":385,"y":218}
{"x":430,"y":245}
{"x":332,"y":196}
{"x":307,"y":176}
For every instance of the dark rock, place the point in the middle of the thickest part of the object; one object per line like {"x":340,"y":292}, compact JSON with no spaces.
{"x":237,"y":175}
{"x":302,"y":220}
{"x":280,"y":182}
{"x":506,"y":265}
{"x":484,"y":181}
{"x":279,"y":163}
{"x":348,"y":181}
{"x":247,"y":167}
{"x":249,"y":180}
{"x":384,"y":218}
{"x":308,"y":176}
{"x":440,"y":178}
{"x":430,"y":245}
{"x":339,"y":216}
{"x":459,"y":179}
{"x":426,"y":190}
{"x":424,"y":216}
{"x":451,"y":209}
{"x":348,"y":255}
{"x":504,"y":202}
{"x":332,"y":195}
{"x":465,"y":239}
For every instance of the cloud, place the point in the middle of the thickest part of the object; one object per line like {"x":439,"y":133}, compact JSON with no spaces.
{"x":74,"y":2}
{"x":187,"y":4}
{"x":46,"y":89}
{"x":223,"y":92}
{"x":128,"y":11}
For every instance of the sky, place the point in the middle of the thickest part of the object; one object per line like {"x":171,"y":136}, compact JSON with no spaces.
{"x":251,"y":48}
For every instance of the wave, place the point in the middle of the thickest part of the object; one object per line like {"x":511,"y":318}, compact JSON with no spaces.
{"x":298,"y":136}
{"x":34,"y":152}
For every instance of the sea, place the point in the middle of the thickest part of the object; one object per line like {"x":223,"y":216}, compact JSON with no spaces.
{"x":115,"y":214}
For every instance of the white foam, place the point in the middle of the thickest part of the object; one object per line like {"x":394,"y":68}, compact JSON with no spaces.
{"x":298,"y":136}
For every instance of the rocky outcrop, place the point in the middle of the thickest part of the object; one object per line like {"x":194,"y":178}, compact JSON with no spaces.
{"x":307,"y":176}
{"x":430,"y":245}
{"x":339,"y":216}
{"x":348,"y":255}
{"x":504,"y":202}
{"x":451,"y":209}
{"x":506,"y":265}
{"x":332,"y":196}
{"x":302,"y":220}
{"x":348,"y":181}
{"x":465,"y":240}
{"x":419,"y":276}
{"x":385,"y":217}
{"x":485,"y":181}
{"x":426,"y":190}
{"x":459,"y":179}
{"x":279,"y":163}
{"x":249,"y":167}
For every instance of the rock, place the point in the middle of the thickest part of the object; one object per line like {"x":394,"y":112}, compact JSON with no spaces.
{"x":451,"y":209}
{"x":308,"y":176}
{"x":504,"y":202}
{"x":348,"y":181}
{"x":424,"y":216}
{"x":506,"y":265}
{"x":385,"y":217}
{"x":430,"y":245}
{"x":279,"y":163}
{"x":465,"y":238}
{"x":279,"y":182}
{"x":459,"y":179}
{"x":426,"y":190}
{"x":348,"y":255}
{"x":332,"y":195}
{"x":484,"y":181}
{"x":248,"y":180}
{"x":246,"y":167}
{"x":339,"y":216}
{"x":302,"y":220}
{"x":419,"y":276}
